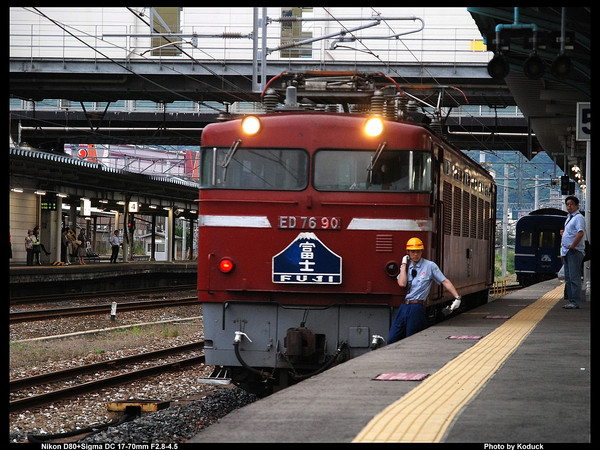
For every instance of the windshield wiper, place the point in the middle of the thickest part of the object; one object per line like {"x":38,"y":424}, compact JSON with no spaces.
{"x":228,"y":157}
{"x":230,"y":153}
{"x":374,"y":160}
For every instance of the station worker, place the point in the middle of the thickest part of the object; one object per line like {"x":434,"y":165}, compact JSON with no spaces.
{"x":417,"y":273}
{"x":572,"y":250}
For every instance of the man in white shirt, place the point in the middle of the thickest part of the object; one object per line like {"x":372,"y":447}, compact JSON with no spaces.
{"x":572,"y":250}
{"x":114,"y":243}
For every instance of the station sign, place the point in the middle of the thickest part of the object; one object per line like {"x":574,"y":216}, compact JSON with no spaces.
{"x":86,"y":207}
{"x":133,"y":207}
{"x":584,"y":122}
{"x":306,"y":260}
{"x":49,"y":202}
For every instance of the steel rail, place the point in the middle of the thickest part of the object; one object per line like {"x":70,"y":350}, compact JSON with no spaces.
{"x":42,"y":314}
{"x":119,"y":293}
{"x":40,"y":399}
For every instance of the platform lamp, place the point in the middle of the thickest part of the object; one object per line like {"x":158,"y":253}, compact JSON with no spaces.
{"x":533,"y":67}
{"x":498,"y":67}
{"x":561,"y":66}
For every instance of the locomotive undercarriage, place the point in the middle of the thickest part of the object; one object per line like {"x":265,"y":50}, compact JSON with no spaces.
{"x":300,"y":352}
{"x":268,"y":346}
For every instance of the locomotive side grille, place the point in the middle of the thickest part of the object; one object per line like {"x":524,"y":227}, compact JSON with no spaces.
{"x":480,"y":220}
{"x":486,"y":234}
{"x":456,"y":209}
{"x":447,"y":208}
{"x":466,"y":210}
{"x":384,"y":243}
{"x":473,"y":221}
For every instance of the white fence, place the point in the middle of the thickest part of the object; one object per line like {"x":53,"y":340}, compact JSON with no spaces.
{"x":449,"y":35}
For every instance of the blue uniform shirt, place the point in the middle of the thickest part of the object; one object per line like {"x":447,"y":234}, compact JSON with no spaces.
{"x":573,"y":225}
{"x":419,"y":286}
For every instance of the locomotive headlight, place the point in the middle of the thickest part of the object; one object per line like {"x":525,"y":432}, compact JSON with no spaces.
{"x":374,"y":126}
{"x":251,"y":125}
{"x":226,"y":265}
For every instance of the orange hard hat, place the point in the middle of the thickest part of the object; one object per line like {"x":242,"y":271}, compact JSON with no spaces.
{"x":414,"y":244}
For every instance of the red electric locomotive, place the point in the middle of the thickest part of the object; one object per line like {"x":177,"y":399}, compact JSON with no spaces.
{"x":303,"y":221}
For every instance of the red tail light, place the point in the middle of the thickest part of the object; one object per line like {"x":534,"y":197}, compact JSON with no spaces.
{"x":226,"y":265}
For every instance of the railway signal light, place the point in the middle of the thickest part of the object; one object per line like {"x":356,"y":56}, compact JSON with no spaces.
{"x":567,"y":187}
{"x":533,"y":67}
{"x":561,"y":66}
{"x":498,"y":67}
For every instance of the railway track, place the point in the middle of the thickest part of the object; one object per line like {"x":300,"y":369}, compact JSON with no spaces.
{"x":120,"y":293}
{"x":30,"y":401}
{"x":51,"y":313}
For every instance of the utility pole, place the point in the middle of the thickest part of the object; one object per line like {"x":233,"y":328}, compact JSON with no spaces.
{"x":505,"y":221}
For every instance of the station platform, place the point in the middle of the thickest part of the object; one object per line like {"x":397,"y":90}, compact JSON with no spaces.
{"x":516,"y":370}
{"x":98,"y":277}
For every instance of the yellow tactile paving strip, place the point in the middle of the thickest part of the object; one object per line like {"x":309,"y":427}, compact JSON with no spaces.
{"x":424,"y":414}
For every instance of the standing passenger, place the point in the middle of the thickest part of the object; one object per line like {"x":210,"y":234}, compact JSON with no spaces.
{"x":572,"y":250}
{"x":72,"y":244}
{"x":29,"y":241}
{"x":114,"y":243}
{"x":64,"y":247}
{"x":36,"y":231}
{"x":417,"y":273}
{"x":82,"y":246}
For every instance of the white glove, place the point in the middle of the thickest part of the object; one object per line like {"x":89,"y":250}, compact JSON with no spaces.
{"x":405,"y":259}
{"x":455,"y":304}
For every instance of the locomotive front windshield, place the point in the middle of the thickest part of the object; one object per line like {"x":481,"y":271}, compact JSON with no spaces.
{"x":333,"y":169}
{"x":392,"y":170}
{"x":262,"y":169}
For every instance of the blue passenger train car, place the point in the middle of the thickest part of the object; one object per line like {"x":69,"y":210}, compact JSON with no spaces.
{"x":537,"y":245}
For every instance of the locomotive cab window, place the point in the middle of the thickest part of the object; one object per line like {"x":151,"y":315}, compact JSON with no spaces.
{"x":360,"y":170}
{"x":260,"y":169}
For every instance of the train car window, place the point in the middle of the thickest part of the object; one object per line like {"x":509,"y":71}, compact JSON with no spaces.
{"x":421,"y":179}
{"x":547,"y":239}
{"x":526,"y":239}
{"x":466,"y":178}
{"x":458,"y":173}
{"x":394,"y":170}
{"x":260,"y":169}
{"x":447,"y":167}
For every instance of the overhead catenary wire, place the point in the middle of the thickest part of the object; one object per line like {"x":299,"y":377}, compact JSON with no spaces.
{"x":224,"y":80}
{"x":66,"y":29}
